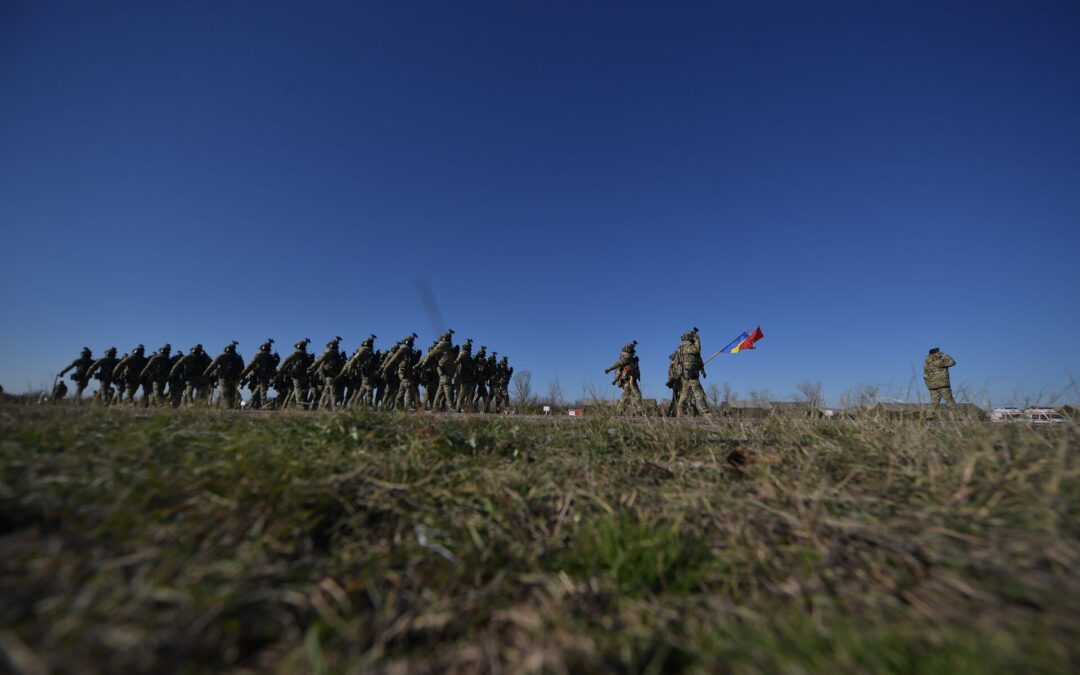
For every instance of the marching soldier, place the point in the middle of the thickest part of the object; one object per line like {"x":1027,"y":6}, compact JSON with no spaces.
{"x":227,"y":368}
{"x":295,"y":367}
{"x":102,"y":371}
{"x":627,"y":375}
{"x":260,"y":372}
{"x":155,"y":375}
{"x":81,"y":376}
{"x":691,"y":397}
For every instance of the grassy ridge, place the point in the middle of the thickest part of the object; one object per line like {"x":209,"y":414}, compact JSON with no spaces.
{"x":195,"y":540}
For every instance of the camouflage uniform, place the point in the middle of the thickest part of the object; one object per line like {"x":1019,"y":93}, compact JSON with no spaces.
{"x":327,"y":367}
{"x":259,"y":373}
{"x":360,"y":369}
{"x":440,"y":358}
{"x":481,"y":398}
{"x":102,"y":371}
{"x":127,"y":374}
{"x":936,"y":375}
{"x":627,"y":376}
{"x":690,"y":366}
{"x":464,"y":377}
{"x":491,"y":373}
{"x":398,"y":369}
{"x":190,"y":371}
{"x":176,"y":383}
{"x":227,"y":368}
{"x":81,"y":376}
{"x":155,"y":375}
{"x":295,"y":367}
{"x":502,"y":386}
{"x":674,"y":381}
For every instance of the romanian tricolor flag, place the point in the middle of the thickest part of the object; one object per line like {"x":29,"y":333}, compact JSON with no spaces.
{"x":744,"y":341}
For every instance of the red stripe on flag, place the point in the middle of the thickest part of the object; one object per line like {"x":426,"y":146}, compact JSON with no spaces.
{"x":748,"y":343}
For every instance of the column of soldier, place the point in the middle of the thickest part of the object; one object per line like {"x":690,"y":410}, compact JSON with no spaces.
{"x":451,"y":376}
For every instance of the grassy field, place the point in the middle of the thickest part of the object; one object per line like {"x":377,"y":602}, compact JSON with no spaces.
{"x":193,"y":541}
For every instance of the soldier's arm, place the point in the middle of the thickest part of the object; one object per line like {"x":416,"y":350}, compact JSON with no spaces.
{"x":947,"y":361}
{"x":209,"y":372}
{"x":618,"y":364}
{"x":70,"y":366}
{"x":152,"y":363}
{"x":177,"y":368}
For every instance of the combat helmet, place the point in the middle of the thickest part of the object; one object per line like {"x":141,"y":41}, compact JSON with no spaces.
{"x":138,"y":349}
{"x":165,"y":348}
{"x":111,"y":351}
{"x":630,"y":346}
{"x":333,"y":344}
{"x":231,"y":347}
{"x":85,"y":351}
{"x":265,"y":347}
{"x":368,"y":340}
{"x":196,"y":349}
{"x":302,"y":345}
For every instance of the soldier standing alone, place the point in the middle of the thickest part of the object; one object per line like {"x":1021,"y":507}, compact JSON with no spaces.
{"x":936,"y":375}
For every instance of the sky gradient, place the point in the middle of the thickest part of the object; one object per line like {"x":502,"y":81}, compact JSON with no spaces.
{"x":864,"y":180}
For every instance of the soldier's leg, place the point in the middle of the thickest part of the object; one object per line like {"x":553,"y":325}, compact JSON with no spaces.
{"x":446,"y":395}
{"x":935,"y":401}
{"x":683,"y":398}
{"x":230,"y":392}
{"x":946,"y":394}
{"x":296,"y":394}
{"x":700,"y":402}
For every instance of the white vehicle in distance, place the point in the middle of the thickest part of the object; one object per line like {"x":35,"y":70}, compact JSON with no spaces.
{"x":1008,"y":415}
{"x":1045,"y":416}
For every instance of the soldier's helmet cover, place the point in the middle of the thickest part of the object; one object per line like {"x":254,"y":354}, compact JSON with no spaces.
{"x":231,"y":347}
{"x":302,"y":345}
{"x":630,"y":346}
{"x":165,"y":348}
{"x":86,"y":351}
{"x":265,"y":347}
{"x":140,"y":349}
{"x":111,"y":351}
{"x":196,"y":348}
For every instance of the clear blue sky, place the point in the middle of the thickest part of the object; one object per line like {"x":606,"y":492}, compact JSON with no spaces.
{"x":865,"y":180}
